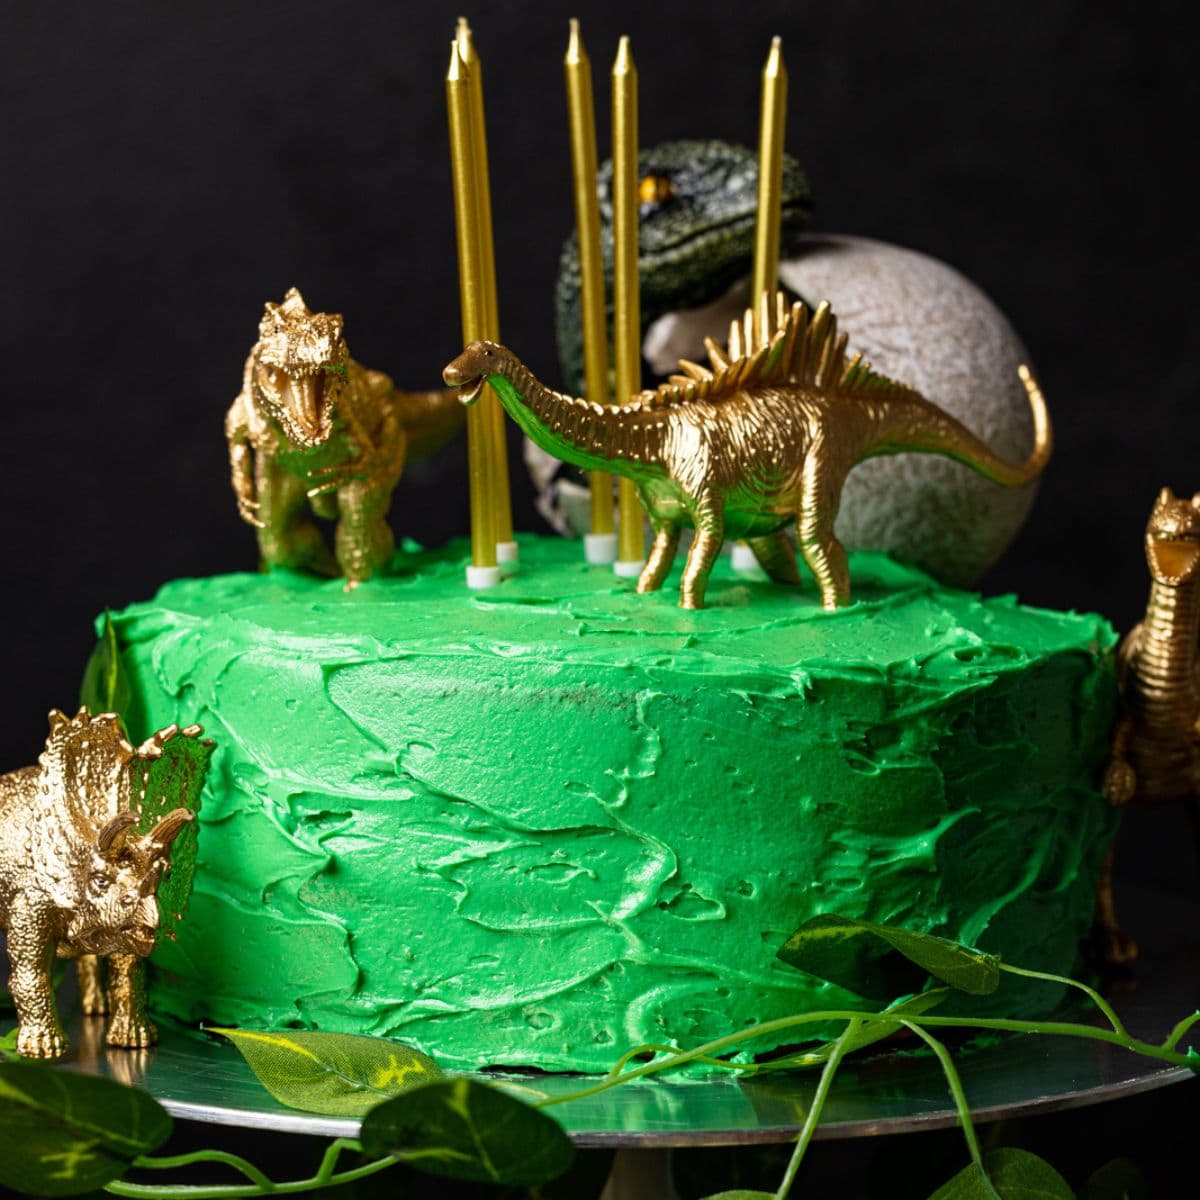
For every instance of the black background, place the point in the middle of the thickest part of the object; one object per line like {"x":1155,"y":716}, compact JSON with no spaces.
{"x":167,"y":168}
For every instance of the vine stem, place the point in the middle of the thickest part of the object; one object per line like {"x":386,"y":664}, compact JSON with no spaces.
{"x":813,"y":1119}
{"x":1180,"y":1029}
{"x":780,"y":1024}
{"x":954,"y":1083}
{"x":168,"y":1163}
{"x":324,"y":1177}
{"x":1093,"y":995}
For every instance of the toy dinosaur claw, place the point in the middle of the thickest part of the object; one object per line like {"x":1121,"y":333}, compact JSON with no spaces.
{"x":1119,"y":783}
{"x":248,"y":511}
{"x":40,"y":1041}
{"x":130,"y":1032}
{"x":152,"y":747}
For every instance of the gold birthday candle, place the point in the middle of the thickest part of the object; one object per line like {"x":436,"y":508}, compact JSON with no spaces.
{"x":506,"y":548}
{"x":772,"y":113}
{"x":772,"y":118}
{"x":627,"y":336}
{"x":582,"y":119}
{"x":483,"y":571}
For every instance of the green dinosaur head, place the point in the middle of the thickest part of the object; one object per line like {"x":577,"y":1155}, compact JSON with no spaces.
{"x":300,"y":366}
{"x":699,"y":204}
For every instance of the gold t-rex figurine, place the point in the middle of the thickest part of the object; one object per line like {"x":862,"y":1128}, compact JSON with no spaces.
{"x":313,"y":428}
{"x":764,"y":437}
{"x":78,"y":877}
{"x":1156,"y":748}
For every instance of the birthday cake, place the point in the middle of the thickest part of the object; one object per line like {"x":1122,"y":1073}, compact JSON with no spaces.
{"x":544,"y":823}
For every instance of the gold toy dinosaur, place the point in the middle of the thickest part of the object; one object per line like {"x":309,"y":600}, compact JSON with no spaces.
{"x":1156,"y":748}
{"x":78,"y":880}
{"x":312,"y":428}
{"x":765,"y":437}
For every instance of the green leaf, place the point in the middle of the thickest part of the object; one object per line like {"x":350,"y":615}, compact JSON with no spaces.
{"x":466,"y":1130}
{"x":336,"y":1074}
{"x":66,"y":1133}
{"x":1014,"y":1174}
{"x":8,"y":1043}
{"x":175,"y":780}
{"x":105,"y":687}
{"x":1118,"y":1180}
{"x":855,"y":955}
{"x":741,"y":1194}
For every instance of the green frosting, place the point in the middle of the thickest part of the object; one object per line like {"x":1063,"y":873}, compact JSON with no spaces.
{"x":540,"y":824}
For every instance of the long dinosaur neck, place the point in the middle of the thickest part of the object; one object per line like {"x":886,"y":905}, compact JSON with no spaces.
{"x":611,"y":439}
{"x":1166,"y":658}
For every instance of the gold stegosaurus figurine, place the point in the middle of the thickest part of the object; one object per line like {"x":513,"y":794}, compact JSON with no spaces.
{"x":761,"y":439}
{"x":78,"y":877}
{"x":314,"y":430}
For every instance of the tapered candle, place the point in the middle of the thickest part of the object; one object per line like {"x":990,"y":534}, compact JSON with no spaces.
{"x":601,"y":543}
{"x":506,"y":547}
{"x":772,"y":117}
{"x":483,"y":571}
{"x":627,"y":335}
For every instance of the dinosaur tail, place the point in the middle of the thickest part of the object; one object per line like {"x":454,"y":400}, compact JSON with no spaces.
{"x":430,"y":419}
{"x":947,"y":436}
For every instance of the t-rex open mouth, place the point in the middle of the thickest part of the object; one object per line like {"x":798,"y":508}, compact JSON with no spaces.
{"x":1175,"y":559}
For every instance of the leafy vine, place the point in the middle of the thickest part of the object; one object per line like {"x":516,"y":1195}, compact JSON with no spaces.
{"x":72,"y":1133}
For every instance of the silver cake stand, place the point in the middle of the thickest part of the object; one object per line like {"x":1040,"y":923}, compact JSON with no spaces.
{"x":202,"y":1078}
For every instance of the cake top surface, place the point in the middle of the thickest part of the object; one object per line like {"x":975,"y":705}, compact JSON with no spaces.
{"x":902,"y":623}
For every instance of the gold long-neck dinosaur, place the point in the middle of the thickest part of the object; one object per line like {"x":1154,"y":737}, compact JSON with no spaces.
{"x":1158,"y":662}
{"x":764,"y":437}
{"x":1156,"y":748}
{"x":313,"y":428}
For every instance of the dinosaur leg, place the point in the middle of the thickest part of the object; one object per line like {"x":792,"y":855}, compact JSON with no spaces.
{"x":776,"y":556}
{"x":364,"y":537}
{"x":662,"y":555}
{"x":706,"y":545}
{"x":288,"y":537}
{"x":129,"y":1026}
{"x":91,"y":985}
{"x":824,"y":554}
{"x":31,"y":953}
{"x":1114,"y":947}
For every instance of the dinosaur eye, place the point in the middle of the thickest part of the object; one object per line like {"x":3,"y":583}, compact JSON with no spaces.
{"x":99,"y":883}
{"x":655,"y":189}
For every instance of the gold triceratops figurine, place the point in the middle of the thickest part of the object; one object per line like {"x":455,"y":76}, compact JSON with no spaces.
{"x":313,"y":429}
{"x":1156,"y":748}
{"x":762,"y":438}
{"x":78,"y":877}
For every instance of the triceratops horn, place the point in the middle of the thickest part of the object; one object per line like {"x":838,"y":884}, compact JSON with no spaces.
{"x":167,"y":830}
{"x":111,"y":839}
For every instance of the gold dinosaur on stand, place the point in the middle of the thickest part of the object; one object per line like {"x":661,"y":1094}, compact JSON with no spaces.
{"x":313,"y":429}
{"x":78,"y":878}
{"x":1156,"y":748}
{"x":762,"y":438}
